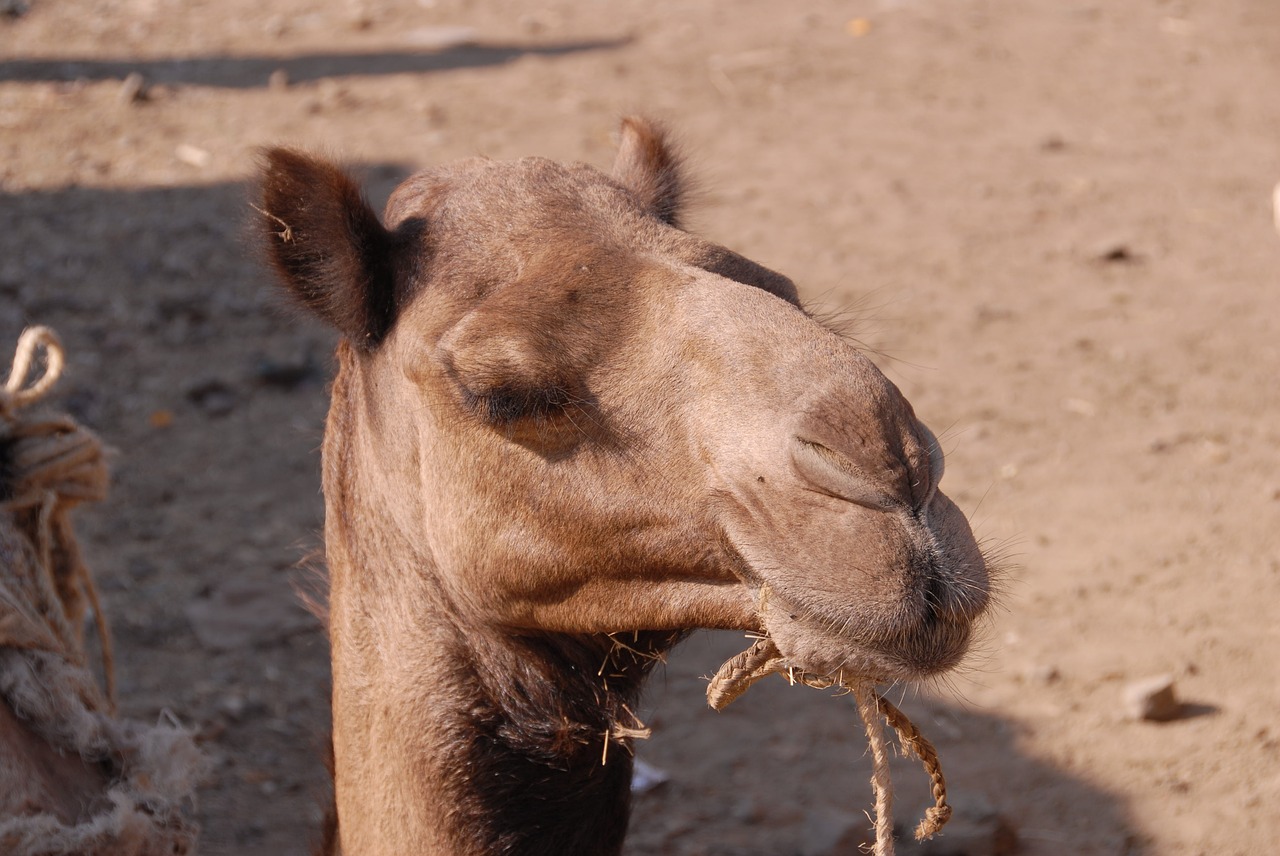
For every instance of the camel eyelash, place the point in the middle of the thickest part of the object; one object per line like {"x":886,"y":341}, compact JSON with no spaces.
{"x":506,"y":404}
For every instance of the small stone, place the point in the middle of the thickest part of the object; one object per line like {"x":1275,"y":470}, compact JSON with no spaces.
{"x":1043,"y":674}
{"x":1116,"y":253}
{"x":441,"y":38}
{"x":133,"y":89}
{"x":276,"y":26}
{"x":1275,"y":206}
{"x":233,"y":705}
{"x":192,"y":155}
{"x":278,"y":81}
{"x":1213,"y":452}
{"x":1152,"y":699}
{"x":532,"y":24}
{"x":1080,"y":407}
{"x":858,"y":27}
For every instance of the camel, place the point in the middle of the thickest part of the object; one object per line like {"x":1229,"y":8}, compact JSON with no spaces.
{"x":565,"y":432}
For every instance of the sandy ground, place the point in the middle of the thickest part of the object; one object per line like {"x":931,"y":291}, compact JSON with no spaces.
{"x":1051,"y":221}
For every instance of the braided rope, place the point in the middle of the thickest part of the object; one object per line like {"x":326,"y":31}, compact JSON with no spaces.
{"x":881,"y":783}
{"x":763,"y":658}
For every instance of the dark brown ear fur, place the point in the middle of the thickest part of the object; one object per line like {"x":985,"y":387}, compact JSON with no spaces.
{"x":327,"y":245}
{"x":648,"y":166}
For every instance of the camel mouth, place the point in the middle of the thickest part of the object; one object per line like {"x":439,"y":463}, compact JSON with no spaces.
{"x":876,"y":593}
{"x":863,"y":646}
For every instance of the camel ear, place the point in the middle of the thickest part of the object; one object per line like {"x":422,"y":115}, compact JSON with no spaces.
{"x":648,"y":166}
{"x":327,"y":245}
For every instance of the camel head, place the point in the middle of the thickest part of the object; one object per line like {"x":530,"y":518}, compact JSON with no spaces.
{"x":580,"y":418}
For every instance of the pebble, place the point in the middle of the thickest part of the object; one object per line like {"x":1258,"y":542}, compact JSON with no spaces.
{"x":133,"y":89}
{"x":441,"y":38}
{"x":1116,"y":253}
{"x":1152,"y":699}
{"x":858,"y":27}
{"x":278,"y":81}
{"x":1275,"y":206}
{"x":192,"y":155}
{"x":234,"y":706}
{"x":1043,"y":674}
{"x":276,"y":26}
{"x":1080,"y":407}
{"x":532,"y":24}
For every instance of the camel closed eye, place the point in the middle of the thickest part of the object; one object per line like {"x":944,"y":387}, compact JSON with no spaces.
{"x":507,"y":404}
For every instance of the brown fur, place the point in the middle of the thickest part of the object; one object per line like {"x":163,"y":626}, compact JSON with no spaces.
{"x":561,"y":423}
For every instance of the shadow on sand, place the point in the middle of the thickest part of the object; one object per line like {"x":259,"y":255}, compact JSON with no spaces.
{"x":254,"y":71}
{"x":774,"y":773}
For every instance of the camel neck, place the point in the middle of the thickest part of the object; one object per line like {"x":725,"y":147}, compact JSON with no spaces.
{"x":492,"y":743}
{"x":544,"y":742}
{"x":454,"y":737}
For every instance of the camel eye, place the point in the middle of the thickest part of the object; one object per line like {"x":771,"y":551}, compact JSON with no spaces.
{"x":504,"y":405}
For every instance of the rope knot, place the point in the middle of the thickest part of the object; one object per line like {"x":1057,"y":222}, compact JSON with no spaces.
{"x":49,"y":464}
{"x":51,"y":455}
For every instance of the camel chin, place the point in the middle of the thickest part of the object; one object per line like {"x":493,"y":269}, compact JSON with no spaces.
{"x":811,"y":647}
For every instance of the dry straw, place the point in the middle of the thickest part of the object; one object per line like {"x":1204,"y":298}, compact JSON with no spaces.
{"x":763,"y":658}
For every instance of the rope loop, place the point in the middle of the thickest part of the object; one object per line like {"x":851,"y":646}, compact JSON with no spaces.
{"x":16,"y":394}
{"x":763,"y":658}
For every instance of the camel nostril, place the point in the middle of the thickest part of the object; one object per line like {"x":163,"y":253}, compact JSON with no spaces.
{"x":835,"y":474}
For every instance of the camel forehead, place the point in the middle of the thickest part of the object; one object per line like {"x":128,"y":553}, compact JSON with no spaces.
{"x":482,"y":198}
{"x":560,"y":236}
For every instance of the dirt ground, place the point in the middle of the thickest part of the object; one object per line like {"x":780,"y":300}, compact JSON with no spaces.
{"x":1052,"y":222}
